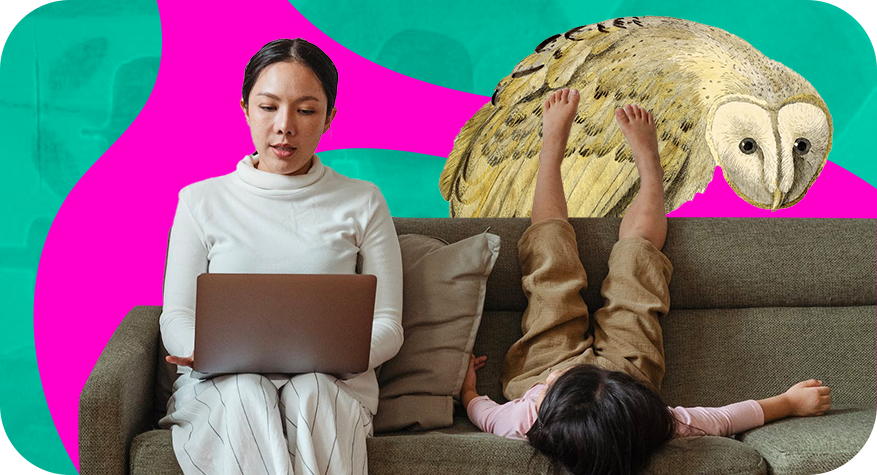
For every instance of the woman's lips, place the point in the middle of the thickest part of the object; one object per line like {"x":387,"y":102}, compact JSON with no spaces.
{"x":283,"y":151}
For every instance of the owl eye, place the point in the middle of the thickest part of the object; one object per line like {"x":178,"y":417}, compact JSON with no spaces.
{"x":802,"y":146}
{"x":748,"y":146}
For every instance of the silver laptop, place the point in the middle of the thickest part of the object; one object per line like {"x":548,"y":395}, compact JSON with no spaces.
{"x":283,"y":323}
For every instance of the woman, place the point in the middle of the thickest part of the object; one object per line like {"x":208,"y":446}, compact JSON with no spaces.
{"x":281,"y":211}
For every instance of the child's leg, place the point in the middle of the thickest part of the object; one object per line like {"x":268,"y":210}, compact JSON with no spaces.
{"x":626,"y":330}
{"x":645,"y":217}
{"x":556,"y":320}
{"x":549,"y":200}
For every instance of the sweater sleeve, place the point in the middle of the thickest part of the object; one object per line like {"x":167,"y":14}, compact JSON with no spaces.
{"x":511,"y":420}
{"x":382,"y":257}
{"x":186,"y":259}
{"x":721,"y":421}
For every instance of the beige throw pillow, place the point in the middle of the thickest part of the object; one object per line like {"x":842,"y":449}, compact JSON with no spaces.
{"x":444,"y":289}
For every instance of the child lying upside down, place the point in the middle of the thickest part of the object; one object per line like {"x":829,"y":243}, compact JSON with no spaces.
{"x":586,"y":393}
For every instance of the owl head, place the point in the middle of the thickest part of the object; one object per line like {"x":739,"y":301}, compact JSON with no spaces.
{"x":770,"y":154}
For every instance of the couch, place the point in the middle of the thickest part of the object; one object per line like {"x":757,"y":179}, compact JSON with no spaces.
{"x":757,"y":304}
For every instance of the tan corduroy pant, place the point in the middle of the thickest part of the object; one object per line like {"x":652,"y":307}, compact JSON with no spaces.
{"x":625,"y":335}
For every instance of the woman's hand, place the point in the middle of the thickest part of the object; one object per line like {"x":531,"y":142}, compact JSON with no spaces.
{"x":468,"y":392}
{"x":809,"y":398}
{"x":181,"y":360}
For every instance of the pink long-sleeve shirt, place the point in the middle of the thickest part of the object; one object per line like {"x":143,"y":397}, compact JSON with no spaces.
{"x":514,"y":418}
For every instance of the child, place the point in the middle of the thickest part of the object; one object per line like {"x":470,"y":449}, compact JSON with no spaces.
{"x":588,"y":397}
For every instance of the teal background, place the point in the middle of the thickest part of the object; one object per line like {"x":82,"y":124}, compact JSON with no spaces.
{"x":74,"y":74}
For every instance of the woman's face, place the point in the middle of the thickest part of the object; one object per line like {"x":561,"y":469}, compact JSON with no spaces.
{"x":287,"y":116}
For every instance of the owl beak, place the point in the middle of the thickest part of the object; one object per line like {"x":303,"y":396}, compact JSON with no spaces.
{"x":777,"y":199}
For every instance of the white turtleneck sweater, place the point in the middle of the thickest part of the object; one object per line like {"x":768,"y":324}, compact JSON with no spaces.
{"x":252,"y":221}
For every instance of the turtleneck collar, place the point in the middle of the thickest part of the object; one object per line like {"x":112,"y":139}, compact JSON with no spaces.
{"x":248,"y":172}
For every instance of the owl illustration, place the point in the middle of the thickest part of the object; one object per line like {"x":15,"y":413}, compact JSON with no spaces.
{"x":716,"y":101}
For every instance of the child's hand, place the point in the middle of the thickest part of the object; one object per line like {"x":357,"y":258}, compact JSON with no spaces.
{"x":474,"y":365}
{"x":808,"y":398}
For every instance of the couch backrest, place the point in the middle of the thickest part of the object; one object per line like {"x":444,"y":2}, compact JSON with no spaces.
{"x":757,"y":304}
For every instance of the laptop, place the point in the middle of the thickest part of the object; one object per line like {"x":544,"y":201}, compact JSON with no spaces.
{"x":283,"y":323}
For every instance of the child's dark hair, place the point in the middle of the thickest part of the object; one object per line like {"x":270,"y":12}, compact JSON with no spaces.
{"x":596,"y":421}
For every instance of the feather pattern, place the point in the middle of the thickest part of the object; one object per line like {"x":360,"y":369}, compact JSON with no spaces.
{"x":679,"y":70}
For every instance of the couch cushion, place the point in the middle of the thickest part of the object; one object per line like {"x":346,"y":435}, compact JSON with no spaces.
{"x":497,"y":333}
{"x":720,"y":356}
{"x":706,"y":455}
{"x":770,"y":262}
{"x":443,"y":302}
{"x":813,"y":444}
{"x":462,"y":444}
{"x":434,"y":453}
{"x":463,"y":449}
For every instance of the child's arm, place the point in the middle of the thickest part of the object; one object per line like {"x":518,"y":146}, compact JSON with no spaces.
{"x":468,"y":392}
{"x":720,"y":421}
{"x":512,"y":419}
{"x":807,"y":398}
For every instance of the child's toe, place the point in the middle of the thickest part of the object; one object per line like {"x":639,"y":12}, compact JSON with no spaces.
{"x":637,"y":111}
{"x":621,"y":116}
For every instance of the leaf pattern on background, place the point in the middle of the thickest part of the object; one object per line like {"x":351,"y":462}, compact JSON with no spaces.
{"x":58,"y":168}
{"x":27,"y":257}
{"x":76,"y":66}
{"x":132,"y":86}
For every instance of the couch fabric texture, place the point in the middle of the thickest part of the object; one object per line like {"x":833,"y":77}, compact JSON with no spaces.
{"x":757,"y":304}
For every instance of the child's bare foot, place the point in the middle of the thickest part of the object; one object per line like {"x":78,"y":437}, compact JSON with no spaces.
{"x":645,"y":217}
{"x":638,"y":127}
{"x":559,"y":110}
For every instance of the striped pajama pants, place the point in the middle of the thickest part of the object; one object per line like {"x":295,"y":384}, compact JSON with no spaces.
{"x":247,"y":424}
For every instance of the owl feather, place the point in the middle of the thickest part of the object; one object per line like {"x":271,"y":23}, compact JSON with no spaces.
{"x":684,"y":73}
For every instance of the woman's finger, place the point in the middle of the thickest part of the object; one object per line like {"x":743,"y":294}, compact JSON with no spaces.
{"x":180,"y":361}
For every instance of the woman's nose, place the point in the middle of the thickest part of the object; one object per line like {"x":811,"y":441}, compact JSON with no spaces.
{"x":285,"y":124}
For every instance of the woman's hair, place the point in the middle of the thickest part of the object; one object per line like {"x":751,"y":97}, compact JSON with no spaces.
{"x":595,"y":421}
{"x":294,"y":51}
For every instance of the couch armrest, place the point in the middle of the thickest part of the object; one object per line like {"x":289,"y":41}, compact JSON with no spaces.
{"x":116,"y":403}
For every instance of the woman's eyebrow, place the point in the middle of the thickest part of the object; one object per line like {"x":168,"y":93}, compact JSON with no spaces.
{"x":300,"y":99}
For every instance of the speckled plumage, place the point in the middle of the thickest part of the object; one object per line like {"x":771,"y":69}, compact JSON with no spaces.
{"x":708,"y":90}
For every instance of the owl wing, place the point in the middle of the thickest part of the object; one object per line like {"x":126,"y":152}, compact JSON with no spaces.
{"x":492,"y":168}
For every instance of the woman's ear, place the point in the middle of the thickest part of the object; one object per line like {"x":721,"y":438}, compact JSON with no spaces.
{"x":329,"y":119}
{"x":246,"y":114}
